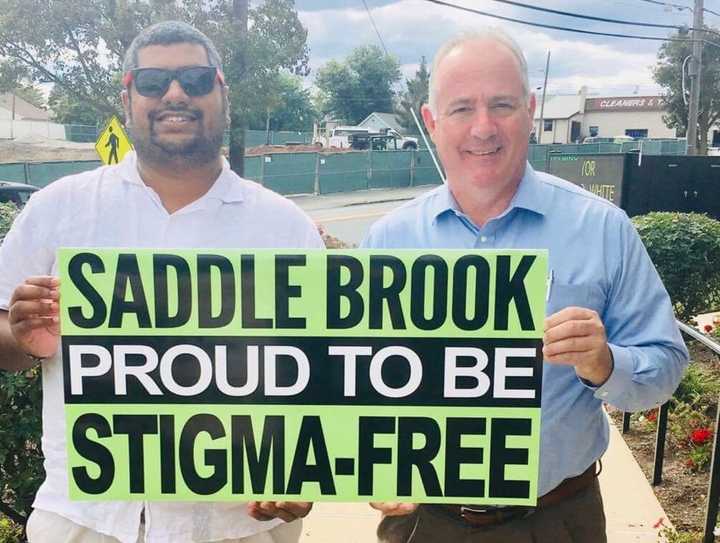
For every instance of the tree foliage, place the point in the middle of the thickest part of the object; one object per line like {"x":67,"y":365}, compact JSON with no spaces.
{"x":290,"y":109}
{"x":360,"y":85}
{"x":13,"y":79}
{"x":668,"y":74}
{"x":67,"y":109}
{"x":414,"y":96}
{"x":79,"y":44}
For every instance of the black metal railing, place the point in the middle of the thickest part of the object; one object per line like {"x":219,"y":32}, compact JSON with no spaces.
{"x":713,"y":493}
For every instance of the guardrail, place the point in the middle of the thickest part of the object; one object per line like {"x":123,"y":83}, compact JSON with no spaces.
{"x":713,"y":494}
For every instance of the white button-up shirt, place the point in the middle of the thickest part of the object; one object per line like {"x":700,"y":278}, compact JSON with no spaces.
{"x":112,"y":207}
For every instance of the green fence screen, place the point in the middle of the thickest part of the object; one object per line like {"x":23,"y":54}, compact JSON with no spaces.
{"x":13,"y":172}
{"x":289,"y":173}
{"x":390,"y":168}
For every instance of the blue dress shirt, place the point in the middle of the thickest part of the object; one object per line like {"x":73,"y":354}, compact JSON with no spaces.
{"x":597,"y":261}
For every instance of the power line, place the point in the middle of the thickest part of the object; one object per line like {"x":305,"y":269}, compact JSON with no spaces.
{"x":659,"y":3}
{"x":375,"y":27}
{"x":678,"y":6}
{"x":564,"y":28}
{"x":603,"y":19}
{"x":588,"y":17}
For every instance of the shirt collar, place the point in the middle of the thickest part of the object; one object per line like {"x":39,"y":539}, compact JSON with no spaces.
{"x":227,"y":188}
{"x":531,"y":194}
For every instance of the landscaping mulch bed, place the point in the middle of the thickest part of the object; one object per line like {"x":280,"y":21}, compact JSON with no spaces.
{"x":684,"y":487}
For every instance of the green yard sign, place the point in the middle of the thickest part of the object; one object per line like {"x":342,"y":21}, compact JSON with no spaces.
{"x":303,"y":375}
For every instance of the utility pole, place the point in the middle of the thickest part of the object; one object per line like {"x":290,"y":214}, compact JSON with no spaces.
{"x":541,"y":128}
{"x":695,"y":72}
{"x":238,"y":119}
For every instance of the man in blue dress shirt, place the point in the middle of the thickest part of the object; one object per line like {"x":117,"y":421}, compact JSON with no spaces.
{"x":610,"y":335}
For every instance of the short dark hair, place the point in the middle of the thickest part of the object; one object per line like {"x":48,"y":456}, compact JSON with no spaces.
{"x":169,"y":33}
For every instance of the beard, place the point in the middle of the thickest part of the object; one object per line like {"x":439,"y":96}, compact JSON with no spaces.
{"x":201,"y":148}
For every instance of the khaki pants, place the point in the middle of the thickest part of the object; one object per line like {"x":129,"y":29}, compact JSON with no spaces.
{"x":579,"y":519}
{"x":46,"y":527}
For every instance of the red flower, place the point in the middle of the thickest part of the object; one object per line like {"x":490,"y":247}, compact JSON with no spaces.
{"x":651,"y":415}
{"x":701,"y":435}
{"x":708,"y":327}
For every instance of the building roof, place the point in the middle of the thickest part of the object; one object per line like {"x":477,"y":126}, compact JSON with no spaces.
{"x":23,"y":110}
{"x":389,"y":119}
{"x":558,"y":106}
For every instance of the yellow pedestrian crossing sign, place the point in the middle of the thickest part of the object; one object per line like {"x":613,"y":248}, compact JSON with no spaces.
{"x":113,"y":142}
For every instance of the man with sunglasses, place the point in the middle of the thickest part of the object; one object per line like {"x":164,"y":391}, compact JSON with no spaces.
{"x":174,"y":191}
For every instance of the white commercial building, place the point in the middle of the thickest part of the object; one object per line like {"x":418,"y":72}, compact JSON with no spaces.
{"x":572,"y":118}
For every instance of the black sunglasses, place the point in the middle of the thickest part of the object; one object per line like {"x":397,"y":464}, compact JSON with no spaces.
{"x":155,"y":82}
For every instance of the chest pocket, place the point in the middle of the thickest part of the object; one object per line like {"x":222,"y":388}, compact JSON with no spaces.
{"x":587,"y":296}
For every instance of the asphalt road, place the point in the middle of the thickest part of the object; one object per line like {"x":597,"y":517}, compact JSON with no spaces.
{"x":348,"y":216}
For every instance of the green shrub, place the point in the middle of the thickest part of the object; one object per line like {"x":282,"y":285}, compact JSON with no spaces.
{"x":8,"y":212}
{"x":685,"y":248}
{"x":21,"y":469}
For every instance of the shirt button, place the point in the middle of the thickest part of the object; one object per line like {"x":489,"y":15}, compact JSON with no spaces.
{"x":483,"y":239}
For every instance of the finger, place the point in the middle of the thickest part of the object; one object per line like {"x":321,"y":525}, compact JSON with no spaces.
{"x":28,"y":325}
{"x":570,"y":345}
{"x":297,"y":509}
{"x":253,"y":509}
{"x":285,"y":515}
{"x":34,"y":292}
{"x":48,"y":281}
{"x":569,"y":313}
{"x":394,"y":508}
{"x":21,"y":311}
{"x":569,"y":329}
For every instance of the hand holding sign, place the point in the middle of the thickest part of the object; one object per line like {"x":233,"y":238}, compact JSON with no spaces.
{"x":34,"y":315}
{"x":288,"y":511}
{"x":576,"y":336}
{"x":394,"y":509}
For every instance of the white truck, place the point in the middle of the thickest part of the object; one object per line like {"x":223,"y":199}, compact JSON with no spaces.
{"x":346,"y":137}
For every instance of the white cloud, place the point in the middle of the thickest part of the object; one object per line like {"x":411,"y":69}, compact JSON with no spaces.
{"x":414,"y":28}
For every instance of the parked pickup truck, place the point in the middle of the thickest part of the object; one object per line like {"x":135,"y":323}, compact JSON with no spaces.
{"x":344,"y":136}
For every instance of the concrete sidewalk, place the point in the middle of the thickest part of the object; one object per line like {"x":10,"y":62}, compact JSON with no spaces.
{"x":311,"y":202}
{"x":631,"y":507}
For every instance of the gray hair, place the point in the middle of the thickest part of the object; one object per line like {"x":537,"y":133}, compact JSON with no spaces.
{"x":492,"y":34}
{"x":169,"y":33}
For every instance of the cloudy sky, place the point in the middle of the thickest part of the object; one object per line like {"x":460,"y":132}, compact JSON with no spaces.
{"x":413,"y":28}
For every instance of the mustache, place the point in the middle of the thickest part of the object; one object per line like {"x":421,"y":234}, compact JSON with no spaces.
{"x":194,"y":112}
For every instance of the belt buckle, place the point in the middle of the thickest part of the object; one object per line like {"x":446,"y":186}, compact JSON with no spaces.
{"x":481,"y":510}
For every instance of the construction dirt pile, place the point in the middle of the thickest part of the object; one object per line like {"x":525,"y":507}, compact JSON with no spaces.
{"x":45,"y":150}
{"x":274,"y":149}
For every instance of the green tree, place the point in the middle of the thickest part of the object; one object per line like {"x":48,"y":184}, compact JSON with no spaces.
{"x":415,"y":95}
{"x":353,"y":89}
{"x":79,"y":44}
{"x":13,"y":78}
{"x":292,"y":108}
{"x":67,"y":109}
{"x":668,"y":74}
{"x":275,"y":43}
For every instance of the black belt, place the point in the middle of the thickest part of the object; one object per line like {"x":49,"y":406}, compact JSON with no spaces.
{"x":490,"y":516}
